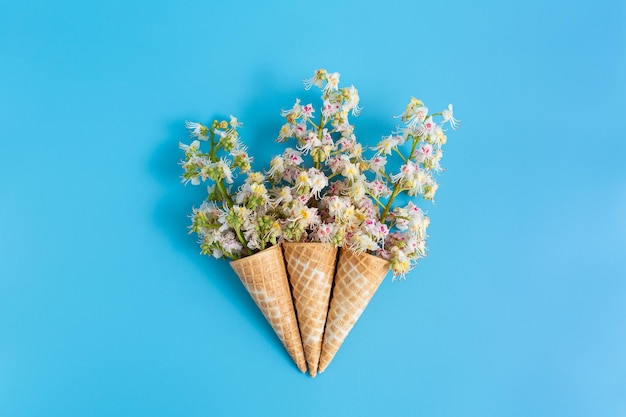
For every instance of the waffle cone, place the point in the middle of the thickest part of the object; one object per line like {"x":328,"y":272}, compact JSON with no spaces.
{"x":264,"y":276}
{"x":311,"y":268}
{"x":357,"y":279}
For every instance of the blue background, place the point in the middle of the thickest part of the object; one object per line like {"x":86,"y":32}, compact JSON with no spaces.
{"x":107,"y":308}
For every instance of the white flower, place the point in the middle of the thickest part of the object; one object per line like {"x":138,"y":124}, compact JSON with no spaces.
{"x":317,"y":182}
{"x":255,"y":177}
{"x":356,"y":151}
{"x":407,"y":172}
{"x":423,"y":152}
{"x":335,"y":164}
{"x":337,"y":205}
{"x":332,"y":81}
{"x":283,"y":195}
{"x":190,"y":149}
{"x":336,"y":188}
{"x":302,"y":180}
{"x":437,"y":160}
{"x":317,"y":79}
{"x":428,"y":127}
{"x":307,"y":216}
{"x":401,"y":217}
{"x":292,"y":157}
{"x":295,"y":110}
{"x":310,"y":142}
{"x":351,"y":101}
{"x":377,"y":164}
{"x":414,"y":212}
{"x":300,"y":130}
{"x":327,"y":139}
{"x":415,"y":113}
{"x":376,"y":229}
{"x":448,"y":116}
{"x":308,"y":111}
{"x":350,"y":170}
{"x":225,"y":170}
{"x":357,"y":190}
{"x":438,"y":138}
{"x":378,"y":189}
{"x":198,"y":130}
{"x":362,"y":242}
{"x":419,"y":181}
{"x":400,"y":264}
{"x":325,"y":232}
{"x":286,"y":131}
{"x":277,"y":167}
{"x":303,"y":199}
{"x":234,"y":123}
{"x":430,"y":190}
{"x":385,"y":146}
{"x":253,"y":240}
{"x":329,"y":109}
{"x":291,"y":173}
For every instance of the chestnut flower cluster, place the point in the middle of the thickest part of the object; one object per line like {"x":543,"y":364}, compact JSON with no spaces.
{"x":230,"y":223}
{"x":326,"y":187}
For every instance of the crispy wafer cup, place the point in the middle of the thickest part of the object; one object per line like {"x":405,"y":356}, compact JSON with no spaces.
{"x":311,"y":268}
{"x":357,"y":279}
{"x":264,"y":276}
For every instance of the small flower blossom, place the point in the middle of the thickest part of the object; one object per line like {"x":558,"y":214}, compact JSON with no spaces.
{"x":277,"y":167}
{"x":234,"y":123}
{"x":310,"y":142}
{"x":428,"y":127}
{"x":197,"y":130}
{"x":351,"y":100}
{"x":308,"y":110}
{"x":191,"y":149}
{"x":225,"y":172}
{"x":317,"y":79}
{"x":448,"y":116}
{"x":295,"y":111}
{"x":385,"y":146}
{"x":292,"y":157}
{"x":286,"y":131}
{"x":332,"y":81}
{"x":377,"y":164}
{"x":362,"y":242}
{"x":329,"y":109}
{"x":325,"y":232}
{"x":350,"y":170}
{"x":317,"y":181}
{"x":407,"y":172}
{"x":302,"y":180}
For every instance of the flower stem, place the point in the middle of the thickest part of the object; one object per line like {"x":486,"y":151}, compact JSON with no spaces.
{"x":319,"y":137}
{"x":400,"y":154}
{"x":242,"y":240}
{"x":222,"y":189}
{"x":220,"y":184}
{"x":377,"y":201}
{"x":396,"y":191}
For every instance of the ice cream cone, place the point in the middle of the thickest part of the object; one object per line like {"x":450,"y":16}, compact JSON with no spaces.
{"x":311,"y":268}
{"x":264,"y":276}
{"x":357,"y":279}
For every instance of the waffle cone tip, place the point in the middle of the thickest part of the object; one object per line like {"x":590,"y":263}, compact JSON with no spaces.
{"x":265,"y":278}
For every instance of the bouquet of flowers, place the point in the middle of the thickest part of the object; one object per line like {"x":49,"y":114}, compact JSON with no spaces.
{"x":239,"y":225}
{"x":323,"y":193}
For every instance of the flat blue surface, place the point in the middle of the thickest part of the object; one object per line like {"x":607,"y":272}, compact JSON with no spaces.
{"x":107,"y":308}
